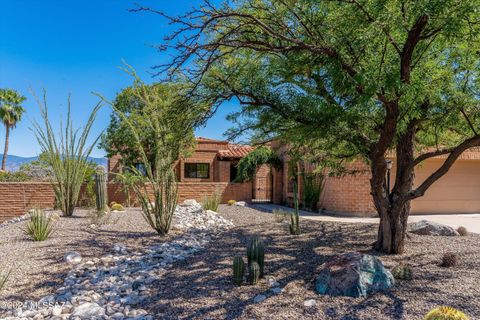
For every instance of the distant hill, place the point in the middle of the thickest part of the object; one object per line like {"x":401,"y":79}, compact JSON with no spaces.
{"x":14,"y":162}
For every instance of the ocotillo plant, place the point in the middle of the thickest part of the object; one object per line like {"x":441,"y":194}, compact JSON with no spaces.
{"x":238,"y":270}
{"x":294,"y":218}
{"x":101,"y":189}
{"x":256,"y":253}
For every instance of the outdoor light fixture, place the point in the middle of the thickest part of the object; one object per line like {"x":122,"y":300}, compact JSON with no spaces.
{"x":389,"y":167}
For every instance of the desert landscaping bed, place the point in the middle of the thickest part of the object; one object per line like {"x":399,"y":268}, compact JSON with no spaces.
{"x":200,"y":285}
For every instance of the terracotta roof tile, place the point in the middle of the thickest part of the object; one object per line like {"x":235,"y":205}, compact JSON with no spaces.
{"x":202,"y":139}
{"x":235,"y":151}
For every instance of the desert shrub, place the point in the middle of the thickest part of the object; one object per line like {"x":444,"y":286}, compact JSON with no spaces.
{"x":3,"y":279}
{"x":40,"y":226}
{"x":231,"y":202}
{"x":446,"y":313}
{"x":312,"y":189}
{"x":117,"y":207}
{"x":462,"y":231}
{"x":18,"y":176}
{"x":211,"y":203}
{"x":402,"y":272}
{"x":280,"y":215}
{"x":449,"y":259}
{"x":67,"y":154}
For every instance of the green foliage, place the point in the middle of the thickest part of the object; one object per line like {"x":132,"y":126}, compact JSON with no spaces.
{"x":117,"y":207}
{"x":67,"y":154}
{"x":179,"y":115}
{"x":3,"y":279}
{"x":402,"y":272}
{"x":18,"y":176}
{"x":40,"y":226}
{"x":445,"y":313}
{"x":294,"y":226}
{"x":248,"y":165}
{"x":211,"y":203}
{"x":238,"y":270}
{"x":256,"y":253}
{"x":156,"y":115}
{"x":449,"y":259}
{"x":462,"y":231}
{"x":312,"y":189}
{"x":280,"y":215}
{"x":101,"y":196}
{"x":254,"y":272}
{"x":127,"y":181}
{"x":11,"y":113}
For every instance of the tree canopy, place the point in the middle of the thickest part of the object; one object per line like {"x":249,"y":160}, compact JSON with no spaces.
{"x":354,"y":78}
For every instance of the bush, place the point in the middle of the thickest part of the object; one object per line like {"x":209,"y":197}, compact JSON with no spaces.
{"x":231,"y":202}
{"x":462,"y":231}
{"x":40,"y":226}
{"x":117,"y":207}
{"x":3,"y":279}
{"x":280,"y":215}
{"x":18,"y":176}
{"x":449,"y":259}
{"x":402,"y":272}
{"x":445,"y":313}
{"x":211,"y":203}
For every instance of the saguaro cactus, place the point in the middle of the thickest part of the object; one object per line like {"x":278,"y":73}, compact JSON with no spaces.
{"x":254,"y":272}
{"x":256,"y":253}
{"x":238,"y":270}
{"x":101,"y":189}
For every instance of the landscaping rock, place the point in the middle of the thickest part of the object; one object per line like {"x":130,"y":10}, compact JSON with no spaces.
{"x":240,"y":203}
{"x":88,"y":311}
{"x":353,"y":274}
{"x":73,"y":258}
{"x":190,"y":203}
{"x":429,"y":228}
{"x":259,"y":298}
{"x":309,"y":303}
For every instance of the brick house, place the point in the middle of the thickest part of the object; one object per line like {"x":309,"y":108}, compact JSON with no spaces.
{"x":211,"y":170}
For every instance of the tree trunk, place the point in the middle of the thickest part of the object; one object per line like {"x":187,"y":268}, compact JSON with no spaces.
{"x":5,"y":151}
{"x":393,"y":228}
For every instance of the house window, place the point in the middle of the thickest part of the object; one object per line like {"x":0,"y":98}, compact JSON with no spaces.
{"x":197,"y":170}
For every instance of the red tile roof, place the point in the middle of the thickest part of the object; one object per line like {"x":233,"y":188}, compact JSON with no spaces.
{"x":235,"y":151}
{"x":207,"y":140}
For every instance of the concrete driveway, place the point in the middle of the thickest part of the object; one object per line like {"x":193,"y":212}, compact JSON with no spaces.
{"x":469,"y":221}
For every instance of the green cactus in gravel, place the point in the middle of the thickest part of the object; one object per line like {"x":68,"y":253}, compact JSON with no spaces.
{"x":256,"y":252}
{"x":294,"y":217}
{"x":254,"y":272}
{"x":238,"y":270}
{"x":101,"y":189}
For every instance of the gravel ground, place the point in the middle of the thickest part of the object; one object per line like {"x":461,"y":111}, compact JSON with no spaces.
{"x":200,"y":287}
{"x":38,"y":267}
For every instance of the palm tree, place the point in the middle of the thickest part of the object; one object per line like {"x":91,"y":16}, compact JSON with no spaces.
{"x":10,"y":114}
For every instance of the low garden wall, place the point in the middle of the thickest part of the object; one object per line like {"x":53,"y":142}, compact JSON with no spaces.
{"x":16,"y":198}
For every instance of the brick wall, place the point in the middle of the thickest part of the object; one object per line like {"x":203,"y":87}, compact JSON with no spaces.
{"x":16,"y":198}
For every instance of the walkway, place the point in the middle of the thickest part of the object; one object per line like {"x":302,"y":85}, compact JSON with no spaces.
{"x":470,"y":221}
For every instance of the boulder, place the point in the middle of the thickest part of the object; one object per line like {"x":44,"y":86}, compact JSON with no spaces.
{"x":429,"y":228}
{"x":73,"y":257}
{"x":353,"y":274}
{"x":190,"y":202}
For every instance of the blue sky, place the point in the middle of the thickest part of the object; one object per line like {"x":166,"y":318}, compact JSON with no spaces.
{"x":76,"y":47}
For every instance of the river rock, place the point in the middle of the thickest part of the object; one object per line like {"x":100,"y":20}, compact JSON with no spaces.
{"x":88,"y":310}
{"x":353,"y":274}
{"x":429,"y":228}
{"x":73,"y":257}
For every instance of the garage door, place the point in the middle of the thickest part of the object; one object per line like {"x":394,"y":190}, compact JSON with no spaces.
{"x":456,"y":192}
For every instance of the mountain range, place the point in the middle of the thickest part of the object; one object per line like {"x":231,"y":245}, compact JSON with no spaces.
{"x":14,"y":162}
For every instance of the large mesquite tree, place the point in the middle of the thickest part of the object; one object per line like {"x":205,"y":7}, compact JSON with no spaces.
{"x":357,"y":78}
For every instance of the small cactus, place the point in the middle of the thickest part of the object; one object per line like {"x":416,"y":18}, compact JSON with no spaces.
{"x":256,"y":252}
{"x":101,"y":190}
{"x":294,"y":217}
{"x":449,"y":259}
{"x":117,"y":207}
{"x":445,"y":313}
{"x":402,"y":272}
{"x":231,"y":202}
{"x":238,"y":270}
{"x":254,"y":272}
{"x":462,"y":231}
